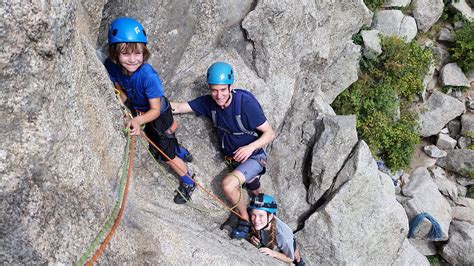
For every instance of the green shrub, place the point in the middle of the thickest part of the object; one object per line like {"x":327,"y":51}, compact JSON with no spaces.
{"x":384,"y":86}
{"x":374,"y":4}
{"x":468,"y":172}
{"x":470,"y":192}
{"x":446,"y":89}
{"x":470,"y":135}
{"x":463,"y":50}
{"x":436,"y":260}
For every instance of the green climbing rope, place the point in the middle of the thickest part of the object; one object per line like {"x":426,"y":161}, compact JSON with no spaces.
{"x":116,"y":209}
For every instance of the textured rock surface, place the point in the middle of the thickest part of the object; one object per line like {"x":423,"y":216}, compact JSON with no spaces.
{"x":460,"y":247}
{"x":333,"y":224}
{"x":451,"y":75}
{"x":395,"y":23}
{"x":335,"y":138}
{"x":457,"y":161}
{"x":437,"y":112}
{"x":424,"y":197}
{"x":409,"y":255}
{"x":63,"y":144}
{"x":427,"y":12}
{"x":372,"y":47}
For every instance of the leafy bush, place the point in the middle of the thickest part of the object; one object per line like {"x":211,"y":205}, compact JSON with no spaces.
{"x":463,"y":50}
{"x":384,"y":86}
{"x":470,"y":192}
{"x":374,"y":4}
{"x":469,"y":172}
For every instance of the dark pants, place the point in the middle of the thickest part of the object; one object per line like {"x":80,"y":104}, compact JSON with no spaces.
{"x":166,"y":142}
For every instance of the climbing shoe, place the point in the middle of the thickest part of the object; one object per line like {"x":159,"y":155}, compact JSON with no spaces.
{"x":184,"y":154}
{"x":184,"y":193}
{"x":241,"y":231}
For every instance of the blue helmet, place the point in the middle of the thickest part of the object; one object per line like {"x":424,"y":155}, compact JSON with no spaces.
{"x":126,"y":30}
{"x":263,"y":202}
{"x":220,"y":73}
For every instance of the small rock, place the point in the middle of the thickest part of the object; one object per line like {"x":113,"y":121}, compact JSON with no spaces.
{"x":454,"y":127}
{"x":372,"y":47}
{"x":434,"y":152}
{"x":396,"y":3}
{"x":445,"y":35}
{"x":452,"y":75}
{"x":463,"y":214}
{"x":470,"y":105}
{"x":445,"y":130}
{"x":464,"y":142}
{"x":445,"y":142}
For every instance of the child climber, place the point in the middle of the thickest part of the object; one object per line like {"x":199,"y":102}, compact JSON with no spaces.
{"x":140,"y":88}
{"x":273,"y":237}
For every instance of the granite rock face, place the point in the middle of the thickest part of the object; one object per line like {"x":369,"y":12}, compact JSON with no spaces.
{"x":63,"y":143}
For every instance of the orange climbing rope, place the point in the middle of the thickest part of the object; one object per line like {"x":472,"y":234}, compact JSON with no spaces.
{"x":198,"y":184}
{"x":120,"y":214}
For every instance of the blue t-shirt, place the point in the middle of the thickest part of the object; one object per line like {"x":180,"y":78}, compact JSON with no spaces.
{"x":142,"y":85}
{"x":251,"y":113}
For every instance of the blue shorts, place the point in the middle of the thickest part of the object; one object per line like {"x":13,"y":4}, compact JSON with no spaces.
{"x":253,"y":166}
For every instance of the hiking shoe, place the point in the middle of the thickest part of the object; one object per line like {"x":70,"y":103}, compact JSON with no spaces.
{"x":184,"y":154}
{"x":185,"y":191}
{"x":241,"y":231}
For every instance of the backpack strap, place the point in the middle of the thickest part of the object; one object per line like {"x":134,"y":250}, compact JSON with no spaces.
{"x":237,"y":95}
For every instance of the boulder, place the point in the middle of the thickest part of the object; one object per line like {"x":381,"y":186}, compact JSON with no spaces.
{"x":427,"y":12}
{"x":464,"y":142}
{"x":425,"y":197}
{"x":336,"y":136}
{"x":458,"y":161}
{"x":433,"y":151}
{"x":372,"y":47}
{"x":445,"y":142}
{"x":462,"y":8}
{"x":425,"y":247}
{"x":441,"y":55}
{"x":454,"y":127}
{"x":445,"y":185}
{"x":460,"y":247}
{"x":445,"y":35}
{"x":452,"y":75}
{"x":466,"y":202}
{"x":394,"y":23}
{"x":333,"y":223}
{"x":463,"y":214}
{"x":410,"y":255}
{"x":467,"y":125}
{"x":437,"y":112}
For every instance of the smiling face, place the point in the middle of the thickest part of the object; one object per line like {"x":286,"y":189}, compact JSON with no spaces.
{"x":260,"y":219}
{"x":130,"y":60}
{"x":221,"y":94}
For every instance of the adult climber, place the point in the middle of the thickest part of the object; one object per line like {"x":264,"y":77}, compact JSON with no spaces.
{"x":243,"y":131}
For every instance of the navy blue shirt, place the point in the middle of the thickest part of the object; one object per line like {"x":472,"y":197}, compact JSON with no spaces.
{"x":252,"y":117}
{"x":142,"y":85}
